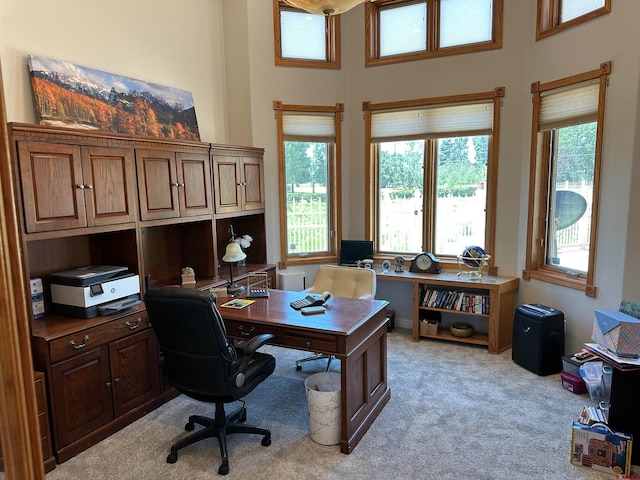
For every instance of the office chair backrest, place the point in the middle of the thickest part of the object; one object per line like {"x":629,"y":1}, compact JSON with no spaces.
{"x":196,"y":355}
{"x":342,"y":281}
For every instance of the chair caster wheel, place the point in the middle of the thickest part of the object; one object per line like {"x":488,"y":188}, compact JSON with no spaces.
{"x":298,"y":367}
{"x":243,"y":415}
{"x":266,"y":441}
{"x":189,"y":426}
{"x":223,"y":469}
{"x":172,"y":458}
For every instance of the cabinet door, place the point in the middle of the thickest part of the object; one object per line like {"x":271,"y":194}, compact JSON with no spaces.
{"x":194,"y":179}
{"x":135,"y":371}
{"x":82,"y":399}
{"x":109,"y":180}
{"x":157,"y":184}
{"x":252,"y":184}
{"x":227,"y":184}
{"x":52,"y":186}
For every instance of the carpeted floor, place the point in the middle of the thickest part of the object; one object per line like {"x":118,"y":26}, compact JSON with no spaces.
{"x":455,"y":412}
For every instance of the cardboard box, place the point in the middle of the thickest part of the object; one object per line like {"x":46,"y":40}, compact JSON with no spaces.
{"x":617,"y":331}
{"x":600,"y":448}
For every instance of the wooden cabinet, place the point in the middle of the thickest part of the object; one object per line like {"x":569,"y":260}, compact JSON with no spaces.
{"x":97,"y":198}
{"x":499,"y":294}
{"x":173,"y":184}
{"x":70,"y":186}
{"x":43,"y":421}
{"x":99,"y":376}
{"x":239,"y":183}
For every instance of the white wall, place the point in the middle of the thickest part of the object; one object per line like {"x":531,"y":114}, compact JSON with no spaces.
{"x":222,"y":51}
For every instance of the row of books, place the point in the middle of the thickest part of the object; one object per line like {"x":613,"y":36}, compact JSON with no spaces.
{"x":590,"y":415}
{"x":456,"y":300}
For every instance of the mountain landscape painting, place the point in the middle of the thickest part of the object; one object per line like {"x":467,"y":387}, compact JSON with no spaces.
{"x":73,"y":96}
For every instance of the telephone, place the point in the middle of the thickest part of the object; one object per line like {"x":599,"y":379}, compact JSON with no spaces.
{"x":311,"y":300}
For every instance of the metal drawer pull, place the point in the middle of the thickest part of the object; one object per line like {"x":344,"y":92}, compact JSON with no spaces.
{"x":84,"y":342}
{"x":246,"y":334}
{"x":308,"y":344}
{"x":131,"y":326}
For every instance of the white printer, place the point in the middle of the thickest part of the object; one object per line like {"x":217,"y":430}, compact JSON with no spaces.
{"x":94,"y":290}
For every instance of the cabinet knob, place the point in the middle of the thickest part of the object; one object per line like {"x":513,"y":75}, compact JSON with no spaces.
{"x":308,"y":344}
{"x":181,"y":185}
{"x":79,"y":345}
{"x":88,"y":186}
{"x":108,"y":384}
{"x":80,"y":186}
{"x":116,"y":380}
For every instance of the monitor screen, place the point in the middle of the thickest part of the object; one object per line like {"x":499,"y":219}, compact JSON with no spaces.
{"x":353,"y":250}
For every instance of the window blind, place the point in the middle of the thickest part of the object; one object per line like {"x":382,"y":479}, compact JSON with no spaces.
{"x":572,"y":105}
{"x":304,"y":127}
{"x":303,"y":35}
{"x":432,"y":122}
{"x":465,"y":21}
{"x":403,"y":29}
{"x":570,"y":9}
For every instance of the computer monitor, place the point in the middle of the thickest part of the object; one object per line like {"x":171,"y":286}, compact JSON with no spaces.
{"x":351,"y":251}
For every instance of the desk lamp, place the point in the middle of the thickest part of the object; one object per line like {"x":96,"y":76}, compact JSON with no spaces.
{"x":233,"y":254}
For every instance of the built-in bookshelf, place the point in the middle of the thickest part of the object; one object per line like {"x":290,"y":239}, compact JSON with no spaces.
{"x":463,"y":301}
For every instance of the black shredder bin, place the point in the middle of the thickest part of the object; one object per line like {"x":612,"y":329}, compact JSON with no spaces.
{"x":538,"y":338}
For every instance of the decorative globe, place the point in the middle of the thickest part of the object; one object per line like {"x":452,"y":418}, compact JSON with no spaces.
{"x":472,"y":252}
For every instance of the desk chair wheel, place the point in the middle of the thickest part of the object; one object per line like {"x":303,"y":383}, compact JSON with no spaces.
{"x":172,"y":458}
{"x":266,"y":440}
{"x":223,"y":469}
{"x":242,"y":416}
{"x":298,"y":366}
{"x":189,"y":426}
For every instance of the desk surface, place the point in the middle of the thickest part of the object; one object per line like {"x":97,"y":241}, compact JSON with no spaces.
{"x":342,"y":316}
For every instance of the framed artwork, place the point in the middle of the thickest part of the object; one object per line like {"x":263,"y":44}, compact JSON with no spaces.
{"x":74,"y":96}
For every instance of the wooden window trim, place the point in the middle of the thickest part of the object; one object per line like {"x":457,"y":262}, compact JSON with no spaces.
{"x":548,"y":18}
{"x":372,"y":34}
{"x":535,"y":265}
{"x":335,"y":178}
{"x":332,"y":32}
{"x":372,"y":165}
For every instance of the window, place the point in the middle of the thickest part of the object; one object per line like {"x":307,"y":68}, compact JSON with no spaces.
{"x":557,"y":15}
{"x":566,"y":146}
{"x":305,"y":40}
{"x":309,"y":143}
{"x":404,"y":30}
{"x":432,"y":170}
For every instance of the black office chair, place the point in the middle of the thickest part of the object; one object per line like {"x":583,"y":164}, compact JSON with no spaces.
{"x":198,"y":360}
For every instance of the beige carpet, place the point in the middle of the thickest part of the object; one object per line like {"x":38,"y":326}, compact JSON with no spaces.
{"x":455,"y":413}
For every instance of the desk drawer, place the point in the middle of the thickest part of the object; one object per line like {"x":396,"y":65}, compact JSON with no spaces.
{"x":312,"y":343}
{"x":70,"y":345}
{"x":238,"y":329}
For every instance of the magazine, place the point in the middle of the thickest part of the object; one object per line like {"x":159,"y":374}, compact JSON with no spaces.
{"x":237,"y":303}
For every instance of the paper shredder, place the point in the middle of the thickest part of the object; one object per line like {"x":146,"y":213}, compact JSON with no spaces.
{"x":538,"y":338}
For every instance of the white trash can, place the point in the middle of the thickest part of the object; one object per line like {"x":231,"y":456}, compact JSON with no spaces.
{"x":323,"y":401}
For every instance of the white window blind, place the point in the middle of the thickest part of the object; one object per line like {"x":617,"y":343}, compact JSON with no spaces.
{"x":570,"y":9}
{"x":304,"y":127}
{"x":403,"y":29}
{"x":465,"y":21}
{"x":570,"y":105}
{"x":303,"y":35}
{"x":432,"y":122}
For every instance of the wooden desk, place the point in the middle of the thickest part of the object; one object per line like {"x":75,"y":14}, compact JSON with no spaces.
{"x":352,"y":330}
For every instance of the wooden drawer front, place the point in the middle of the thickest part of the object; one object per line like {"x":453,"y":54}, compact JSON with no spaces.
{"x":246,"y":331}
{"x":312,"y":343}
{"x":70,"y":345}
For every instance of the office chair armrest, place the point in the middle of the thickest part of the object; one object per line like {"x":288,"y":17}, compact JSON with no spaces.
{"x":256,"y":342}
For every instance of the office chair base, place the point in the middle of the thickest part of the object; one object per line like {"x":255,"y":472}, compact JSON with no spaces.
{"x":219,"y":427}
{"x":317,"y":356}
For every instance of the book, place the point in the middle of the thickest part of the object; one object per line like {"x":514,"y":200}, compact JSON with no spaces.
{"x":237,"y":303}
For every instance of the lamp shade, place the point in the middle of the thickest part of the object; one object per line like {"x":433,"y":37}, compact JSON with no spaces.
{"x":233,"y":253}
{"x":324,"y":7}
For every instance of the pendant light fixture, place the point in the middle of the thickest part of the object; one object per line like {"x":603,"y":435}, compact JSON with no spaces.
{"x":324,"y":7}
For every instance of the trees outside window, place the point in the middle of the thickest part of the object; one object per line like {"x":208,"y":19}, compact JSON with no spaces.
{"x":566,"y":161}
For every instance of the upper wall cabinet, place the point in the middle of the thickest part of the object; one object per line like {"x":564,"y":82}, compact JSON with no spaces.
{"x":172,"y":184}
{"x":239,"y":180}
{"x":70,"y":186}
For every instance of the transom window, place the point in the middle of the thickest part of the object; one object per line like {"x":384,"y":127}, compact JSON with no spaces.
{"x":303,"y":39}
{"x":557,"y":15}
{"x":309,"y":143}
{"x":433,"y":169}
{"x":403,"y":30}
{"x":568,"y":117}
